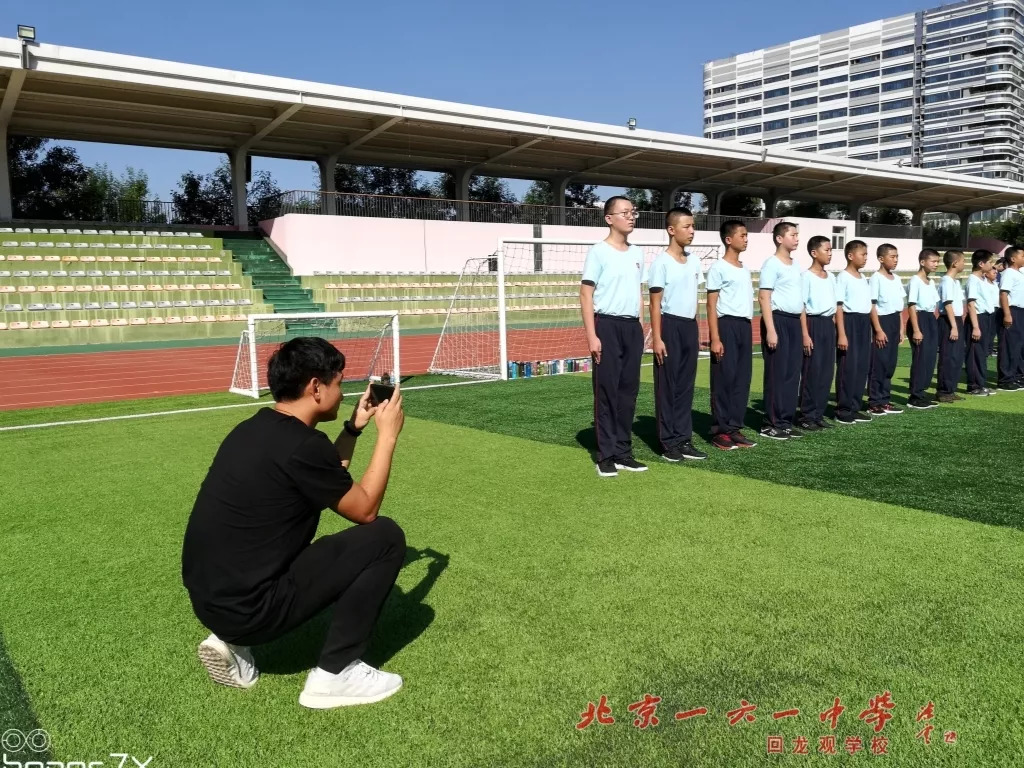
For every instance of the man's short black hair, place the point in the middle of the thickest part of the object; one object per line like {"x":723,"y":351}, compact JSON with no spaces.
{"x":951,"y":257}
{"x":780,"y":230}
{"x":609,"y":204}
{"x":927,"y":253}
{"x":816,"y":242}
{"x":854,"y":245}
{"x":980,"y":256}
{"x":675,"y":213}
{"x":728,"y":228}
{"x":295,"y":362}
{"x":883,"y":250}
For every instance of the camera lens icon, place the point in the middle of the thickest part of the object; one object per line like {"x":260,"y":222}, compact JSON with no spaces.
{"x":14,"y":740}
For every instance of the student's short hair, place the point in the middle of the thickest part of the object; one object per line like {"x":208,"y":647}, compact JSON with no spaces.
{"x":979,"y":257}
{"x":780,"y":229}
{"x":609,"y":204}
{"x":295,"y":362}
{"x":854,"y":245}
{"x":728,"y":228}
{"x":951,"y":257}
{"x":927,"y":253}
{"x":675,"y":213}
{"x":816,"y":242}
{"x":1009,"y":253}
{"x":883,"y":250}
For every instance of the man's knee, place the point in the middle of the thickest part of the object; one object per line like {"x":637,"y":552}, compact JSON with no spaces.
{"x":389,"y":532}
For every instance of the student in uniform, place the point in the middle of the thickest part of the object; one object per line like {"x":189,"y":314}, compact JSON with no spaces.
{"x":923,"y":329}
{"x":887,"y":320}
{"x":993,"y":288}
{"x":951,"y":328}
{"x":730,"y":310}
{"x":818,"y":286}
{"x":1011,"y":330}
{"x":673,"y":282}
{"x":980,"y":309}
{"x":853,"y":336}
{"x":782,"y":304}
{"x":611,"y":300}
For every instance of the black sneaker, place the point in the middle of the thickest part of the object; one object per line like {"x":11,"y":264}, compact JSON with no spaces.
{"x":607,"y":468}
{"x":932,"y":404}
{"x":862,"y":417}
{"x":1011,"y":387}
{"x":823,"y":424}
{"x":630,"y":465}
{"x":977,"y":392}
{"x":919,"y":404}
{"x":946,"y":397}
{"x":845,"y":420}
{"x":673,"y":455}
{"x":808,"y":426}
{"x":774,"y":434}
{"x":690,"y":453}
{"x":793,"y":433}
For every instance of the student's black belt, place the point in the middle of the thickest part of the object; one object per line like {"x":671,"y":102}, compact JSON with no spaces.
{"x":626,"y":318}
{"x":785,"y":314}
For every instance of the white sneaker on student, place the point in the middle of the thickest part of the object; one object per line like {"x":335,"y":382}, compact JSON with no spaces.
{"x":358,"y":683}
{"x":228,"y":664}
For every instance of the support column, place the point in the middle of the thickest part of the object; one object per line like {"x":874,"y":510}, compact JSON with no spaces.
{"x":771,"y":204}
{"x":965,"y":229}
{"x":328,"y":164}
{"x":917,"y":217}
{"x":6,"y":203}
{"x":558,"y":186}
{"x":239,"y":178}
{"x":462,"y":178}
{"x":715,"y":202}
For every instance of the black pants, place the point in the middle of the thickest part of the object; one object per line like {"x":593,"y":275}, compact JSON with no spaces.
{"x":819,"y":367}
{"x":354,"y":569}
{"x":922,"y":358}
{"x":883,"y":361}
{"x":674,"y":379}
{"x":782,"y":370}
{"x":951,"y":355}
{"x":1011,"y":347}
{"x":852,"y":363}
{"x":730,"y":376}
{"x":616,"y":382}
{"x":976,"y":352}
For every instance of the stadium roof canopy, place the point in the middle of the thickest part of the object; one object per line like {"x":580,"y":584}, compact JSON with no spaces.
{"x":77,"y":94}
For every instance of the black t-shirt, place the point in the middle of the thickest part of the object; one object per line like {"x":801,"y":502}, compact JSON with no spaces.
{"x":257,"y":509}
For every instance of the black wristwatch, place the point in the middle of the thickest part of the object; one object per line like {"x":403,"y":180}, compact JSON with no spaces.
{"x":350,"y":428}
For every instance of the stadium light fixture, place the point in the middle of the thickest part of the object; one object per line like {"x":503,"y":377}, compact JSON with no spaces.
{"x":26,"y":32}
{"x":631,"y":123}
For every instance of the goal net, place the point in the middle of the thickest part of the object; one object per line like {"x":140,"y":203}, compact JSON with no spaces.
{"x":369,"y":341}
{"x":517,"y":312}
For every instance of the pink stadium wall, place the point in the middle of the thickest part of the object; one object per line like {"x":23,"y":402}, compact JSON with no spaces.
{"x":313,"y":243}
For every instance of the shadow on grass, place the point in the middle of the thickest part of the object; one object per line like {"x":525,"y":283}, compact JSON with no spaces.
{"x":17,"y":720}
{"x":403,"y":619}
{"x":919,"y":460}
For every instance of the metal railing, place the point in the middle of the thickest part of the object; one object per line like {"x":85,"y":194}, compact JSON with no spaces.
{"x":437,"y":209}
{"x":133,"y":212}
{"x":889,"y":231}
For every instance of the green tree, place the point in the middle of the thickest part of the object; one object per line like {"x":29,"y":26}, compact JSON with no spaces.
{"x":742,"y":205}
{"x":576,"y":195}
{"x":484,"y":189}
{"x":894,"y":216}
{"x":46,"y":181}
{"x":115,"y":198}
{"x":378,"y":180}
{"x":206,"y":198}
{"x":807,"y":210}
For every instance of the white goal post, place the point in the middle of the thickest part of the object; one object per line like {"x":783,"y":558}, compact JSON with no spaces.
{"x":520,"y":307}
{"x":369,"y":341}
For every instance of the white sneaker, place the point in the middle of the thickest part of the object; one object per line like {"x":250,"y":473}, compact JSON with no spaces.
{"x":228,"y":664}
{"x":358,"y":683}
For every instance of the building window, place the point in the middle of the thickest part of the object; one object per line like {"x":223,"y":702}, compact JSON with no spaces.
{"x":776,"y":108}
{"x":832,"y":113}
{"x":804,"y":102}
{"x":749,"y":129}
{"x":804,"y":71}
{"x":831,"y":145}
{"x":897,"y":120}
{"x":724,"y":117}
{"x":776,"y":125}
{"x":872,"y":91}
{"x":871,"y":156}
{"x":748,"y":85}
{"x":833,"y":80}
{"x":776,"y":79}
{"x":864,"y":59}
{"x":897,"y":69}
{"x":892,"y":53}
{"x":724,"y":134}
{"x":834,"y":96}
{"x":776,"y":92}
{"x":864,"y":75}
{"x":897,"y":152}
{"x":749,"y":113}
{"x":863,"y":127}
{"x":864,"y":142}
{"x":803,"y":135}
{"x":805,"y":87}
{"x":750,"y":98}
{"x":838,"y":238}
{"x":900,"y":104}
{"x":782,"y":140}
{"x":867,"y":109}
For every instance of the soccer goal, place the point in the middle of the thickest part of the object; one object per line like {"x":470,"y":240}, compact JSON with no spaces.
{"x":521,"y":306}
{"x":369,"y":341}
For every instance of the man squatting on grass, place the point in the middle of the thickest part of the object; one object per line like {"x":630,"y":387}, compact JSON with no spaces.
{"x":249,"y":562}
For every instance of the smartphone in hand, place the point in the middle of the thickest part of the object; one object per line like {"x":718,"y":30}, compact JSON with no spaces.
{"x":381,"y":390}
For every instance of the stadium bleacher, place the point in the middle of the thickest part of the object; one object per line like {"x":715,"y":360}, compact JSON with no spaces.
{"x":70,"y":286}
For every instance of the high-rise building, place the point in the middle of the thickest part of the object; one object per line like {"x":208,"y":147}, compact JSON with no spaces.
{"x":940,"y":88}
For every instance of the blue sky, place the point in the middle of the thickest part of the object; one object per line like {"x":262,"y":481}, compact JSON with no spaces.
{"x":598,"y":60}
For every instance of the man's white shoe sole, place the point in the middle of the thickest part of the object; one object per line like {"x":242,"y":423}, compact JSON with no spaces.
{"x":322,"y":701}
{"x":222,"y":669}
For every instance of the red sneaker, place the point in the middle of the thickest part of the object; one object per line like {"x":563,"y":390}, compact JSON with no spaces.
{"x":723,"y":443}
{"x":740,"y":441}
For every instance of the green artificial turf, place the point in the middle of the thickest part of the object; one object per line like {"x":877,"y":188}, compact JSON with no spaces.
{"x":881,"y":557}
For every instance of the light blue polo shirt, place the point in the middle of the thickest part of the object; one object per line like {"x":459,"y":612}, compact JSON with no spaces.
{"x":819,"y":293}
{"x":678,"y":283}
{"x":922,"y":295}
{"x":617,"y":277}
{"x":993,"y":295}
{"x":1013,"y":284}
{"x":734,"y":287}
{"x":783,"y":280}
{"x":853,"y":293}
{"x":951,"y":292}
{"x":979,"y":293}
{"x":887,"y":295}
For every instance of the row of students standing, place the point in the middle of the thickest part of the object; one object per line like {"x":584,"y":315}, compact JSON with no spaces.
{"x":816,"y":327}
